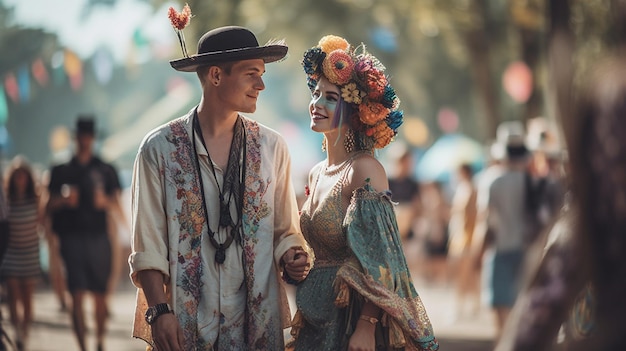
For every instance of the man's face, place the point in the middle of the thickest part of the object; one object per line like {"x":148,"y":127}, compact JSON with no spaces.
{"x":240,"y":89}
{"x":84,"y":140}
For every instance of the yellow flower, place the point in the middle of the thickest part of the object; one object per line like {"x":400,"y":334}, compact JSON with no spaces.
{"x":351,"y":94}
{"x":331,"y":43}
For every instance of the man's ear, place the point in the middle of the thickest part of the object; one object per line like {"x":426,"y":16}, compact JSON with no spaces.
{"x":214,"y":75}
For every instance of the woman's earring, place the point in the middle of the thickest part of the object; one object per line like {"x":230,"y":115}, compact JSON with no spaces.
{"x":348,"y":142}
{"x":324,"y":144}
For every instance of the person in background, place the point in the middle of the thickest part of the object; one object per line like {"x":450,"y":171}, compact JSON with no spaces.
{"x":82,"y":192}
{"x":56,"y":269}
{"x":359,"y":295}
{"x":404,"y":189}
{"x":21,"y":267}
{"x":214,"y":212}
{"x":433,"y":232}
{"x":574,"y":299}
{"x":503,"y":235}
{"x":462,"y":257}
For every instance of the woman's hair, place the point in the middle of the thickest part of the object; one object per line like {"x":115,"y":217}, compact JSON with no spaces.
{"x":20,"y":166}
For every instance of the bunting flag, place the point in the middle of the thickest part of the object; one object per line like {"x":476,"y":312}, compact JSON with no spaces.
{"x":74,"y":69}
{"x":57,"y":62}
{"x":4,"y":109}
{"x":40,"y":73}
{"x":10,"y":85}
{"x":102,"y":66}
{"x":23,"y":83}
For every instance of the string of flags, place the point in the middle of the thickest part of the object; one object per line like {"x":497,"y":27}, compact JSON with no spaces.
{"x":18,"y":85}
{"x":64,"y":65}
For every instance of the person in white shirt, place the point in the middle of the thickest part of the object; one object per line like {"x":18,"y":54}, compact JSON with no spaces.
{"x":214,"y":212}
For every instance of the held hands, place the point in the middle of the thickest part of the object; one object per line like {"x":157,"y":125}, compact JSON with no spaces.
{"x":296,"y":263}
{"x":363,"y":338}
{"x":167,"y":334}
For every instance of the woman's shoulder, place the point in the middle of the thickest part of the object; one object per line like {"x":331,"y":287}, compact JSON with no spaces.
{"x":367,"y":169}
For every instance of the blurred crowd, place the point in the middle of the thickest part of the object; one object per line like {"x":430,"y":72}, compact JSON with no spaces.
{"x":63,"y":226}
{"x":473,"y":230}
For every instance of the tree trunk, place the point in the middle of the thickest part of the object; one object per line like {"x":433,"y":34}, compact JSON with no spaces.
{"x":477,"y":42}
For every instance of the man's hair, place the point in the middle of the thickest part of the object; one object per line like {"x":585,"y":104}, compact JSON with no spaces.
{"x":225,"y":66}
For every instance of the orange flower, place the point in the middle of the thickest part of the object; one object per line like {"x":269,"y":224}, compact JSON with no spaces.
{"x":372,"y":113}
{"x":331,"y":43}
{"x":179,"y":20}
{"x":376,"y":82}
{"x":382,"y":134}
{"x":338,"y":67}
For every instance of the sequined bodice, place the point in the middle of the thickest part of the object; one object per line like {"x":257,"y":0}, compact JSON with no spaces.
{"x":323,"y":226}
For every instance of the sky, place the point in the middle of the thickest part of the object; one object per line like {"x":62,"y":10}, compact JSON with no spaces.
{"x":87,"y":25}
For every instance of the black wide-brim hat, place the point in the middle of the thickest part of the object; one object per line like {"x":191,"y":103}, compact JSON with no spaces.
{"x":226,"y":44}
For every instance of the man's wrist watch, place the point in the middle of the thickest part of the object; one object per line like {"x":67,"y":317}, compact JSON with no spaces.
{"x":155,"y":311}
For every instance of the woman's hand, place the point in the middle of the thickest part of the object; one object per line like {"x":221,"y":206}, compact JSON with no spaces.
{"x":296,"y":263}
{"x":364,"y":337}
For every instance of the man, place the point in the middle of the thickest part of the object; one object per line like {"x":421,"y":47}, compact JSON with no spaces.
{"x":505,"y":226}
{"x":214,"y":213}
{"x":82,"y":192}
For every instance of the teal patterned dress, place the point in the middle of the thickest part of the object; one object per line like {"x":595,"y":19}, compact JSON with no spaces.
{"x":358,"y":256}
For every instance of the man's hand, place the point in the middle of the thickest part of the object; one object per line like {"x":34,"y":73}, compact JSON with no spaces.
{"x":167,"y":334}
{"x":297,"y":263}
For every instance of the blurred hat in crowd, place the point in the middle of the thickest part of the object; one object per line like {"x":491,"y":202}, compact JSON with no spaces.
{"x":542,"y":136}
{"x":511,"y":137}
{"x":86,"y":124}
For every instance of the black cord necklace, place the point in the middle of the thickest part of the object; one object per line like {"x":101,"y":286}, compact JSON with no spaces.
{"x":233,"y":186}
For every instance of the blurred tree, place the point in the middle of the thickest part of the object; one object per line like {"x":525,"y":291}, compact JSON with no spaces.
{"x":19,"y":44}
{"x":439,"y":53}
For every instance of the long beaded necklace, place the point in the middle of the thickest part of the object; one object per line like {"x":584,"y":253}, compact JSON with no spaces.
{"x":233,"y":186}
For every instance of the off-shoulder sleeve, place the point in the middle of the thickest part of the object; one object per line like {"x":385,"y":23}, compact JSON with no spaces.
{"x":382,"y":275}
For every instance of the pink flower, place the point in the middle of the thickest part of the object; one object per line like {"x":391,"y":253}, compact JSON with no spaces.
{"x":179,"y":20}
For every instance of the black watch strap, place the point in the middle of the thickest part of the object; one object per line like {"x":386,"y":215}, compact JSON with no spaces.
{"x":156,"y":311}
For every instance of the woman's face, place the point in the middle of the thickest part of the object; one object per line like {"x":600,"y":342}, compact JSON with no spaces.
{"x":20,"y":180}
{"x":324,"y":102}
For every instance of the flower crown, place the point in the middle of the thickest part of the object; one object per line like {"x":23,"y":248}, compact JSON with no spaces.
{"x":363,"y":83}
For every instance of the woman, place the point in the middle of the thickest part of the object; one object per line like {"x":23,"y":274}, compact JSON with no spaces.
{"x":462,"y":255}
{"x":359,"y":294}
{"x":21,"y":268}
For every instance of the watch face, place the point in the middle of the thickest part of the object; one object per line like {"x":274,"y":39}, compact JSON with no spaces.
{"x":150,"y":315}
{"x":155,"y":311}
